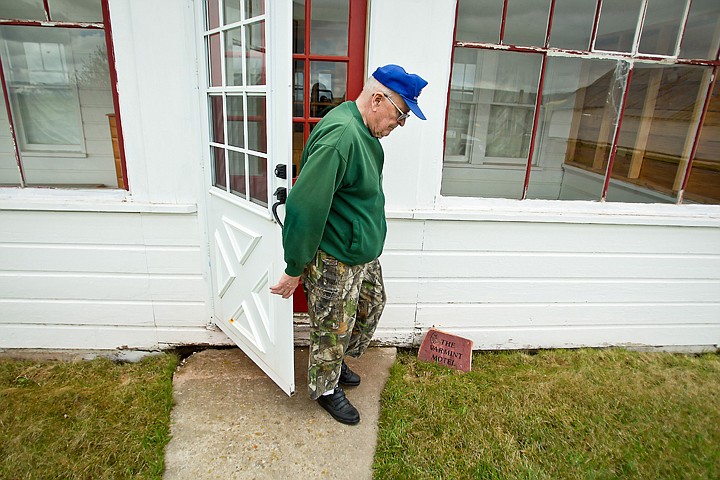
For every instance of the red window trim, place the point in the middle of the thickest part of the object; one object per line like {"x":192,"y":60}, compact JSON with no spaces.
{"x":106,"y":26}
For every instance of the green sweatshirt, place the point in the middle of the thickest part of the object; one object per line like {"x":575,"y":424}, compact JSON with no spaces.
{"x":337,"y":204}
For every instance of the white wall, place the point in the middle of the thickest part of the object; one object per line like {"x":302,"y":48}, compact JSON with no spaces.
{"x":107,"y":269}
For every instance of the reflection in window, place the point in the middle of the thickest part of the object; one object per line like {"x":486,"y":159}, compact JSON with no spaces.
{"x":329,"y":24}
{"x":617,"y":25}
{"x":573,"y":24}
{"x":702,"y":30}
{"x":61,"y":103}
{"x":663,"y":106}
{"x":526,"y":22}
{"x":661,"y":27}
{"x":703,"y":184}
{"x":495,"y":95}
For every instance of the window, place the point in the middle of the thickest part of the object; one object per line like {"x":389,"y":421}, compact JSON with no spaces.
{"x":58,"y":126}
{"x":617,"y":103}
{"x":330,"y":71}
{"x":237,"y":100}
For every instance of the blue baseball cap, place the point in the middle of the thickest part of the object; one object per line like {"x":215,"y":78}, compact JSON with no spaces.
{"x":407,"y":85}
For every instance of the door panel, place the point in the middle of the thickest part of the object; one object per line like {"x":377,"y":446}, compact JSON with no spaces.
{"x":248,"y":136}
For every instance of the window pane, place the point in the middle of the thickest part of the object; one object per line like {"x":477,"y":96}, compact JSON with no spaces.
{"x":9,"y":172}
{"x":298,"y":144}
{"x":236,"y":161}
{"x":257,"y":120}
{"x":25,"y":10}
{"x":233,"y":57}
{"x":329,"y":27}
{"x":61,"y":101}
{"x":76,"y":10}
{"x":576,"y":127}
{"x":661,"y":27}
{"x":253,"y":8}
{"x":526,"y":22}
{"x":704,"y":182}
{"x":479,"y":21}
{"x":215,"y":60}
{"x":702,"y":31}
{"x":656,"y":136}
{"x":217,"y":120}
{"x":618,"y":22}
{"x":598,"y":106}
{"x":299,"y":88}
{"x":231,"y":11}
{"x":235,"y":128}
{"x":492,"y":102}
{"x":212,"y":11}
{"x":257,"y":170}
{"x":572,"y":24}
{"x":218,"y":163}
{"x":298,"y":26}
{"x":255,"y":53}
{"x":328,"y":83}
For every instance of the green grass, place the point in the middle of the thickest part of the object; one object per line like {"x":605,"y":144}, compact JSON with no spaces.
{"x":85,"y":419}
{"x":564,"y":414}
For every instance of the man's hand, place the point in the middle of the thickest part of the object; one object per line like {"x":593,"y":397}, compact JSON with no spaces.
{"x":286,"y":286}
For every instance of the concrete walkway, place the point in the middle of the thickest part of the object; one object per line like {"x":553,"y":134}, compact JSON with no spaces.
{"x":231,"y":422}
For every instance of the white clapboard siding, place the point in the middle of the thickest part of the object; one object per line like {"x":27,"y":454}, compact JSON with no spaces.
{"x":541,"y":285}
{"x":72,"y":279}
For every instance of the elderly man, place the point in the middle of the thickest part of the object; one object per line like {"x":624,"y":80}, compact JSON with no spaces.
{"x":335,"y":230}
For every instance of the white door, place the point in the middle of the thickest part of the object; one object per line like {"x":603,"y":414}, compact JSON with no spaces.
{"x":248,"y":96}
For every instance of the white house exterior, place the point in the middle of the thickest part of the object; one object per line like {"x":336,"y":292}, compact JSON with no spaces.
{"x":148,"y":265}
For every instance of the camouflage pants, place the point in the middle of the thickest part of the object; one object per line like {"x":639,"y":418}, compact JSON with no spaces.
{"x":344,"y":304}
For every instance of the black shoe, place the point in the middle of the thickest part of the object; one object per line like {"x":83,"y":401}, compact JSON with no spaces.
{"x":340,"y":407}
{"x":348,"y":377}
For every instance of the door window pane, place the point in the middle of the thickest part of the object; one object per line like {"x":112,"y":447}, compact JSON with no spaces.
{"x":253,"y":8}
{"x":663,"y":105}
{"x":618,"y":22}
{"x":23,"y":10}
{"x":576,"y":126}
{"x":256,"y":125}
{"x":702,"y":30}
{"x":298,"y":88}
{"x":231,"y":11}
{"x":257,"y":170}
{"x":235,"y":116}
{"x":255,"y":41}
{"x":298,"y":26}
{"x":479,"y":21}
{"x":233,"y":57}
{"x":217,"y":120}
{"x":75,"y":10}
{"x":526,"y":22}
{"x":218,"y":163}
{"x":704,"y":182}
{"x":492,"y":106}
{"x":298,"y":144}
{"x":661,"y":27}
{"x":329,"y":27}
{"x":236,"y":162}
{"x":572,"y":24}
{"x":212,"y":10}
{"x":215,"y":60}
{"x":328,"y":84}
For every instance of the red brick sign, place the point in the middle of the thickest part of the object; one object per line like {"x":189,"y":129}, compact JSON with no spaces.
{"x":446,"y":349}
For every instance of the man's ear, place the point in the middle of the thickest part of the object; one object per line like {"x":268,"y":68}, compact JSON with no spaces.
{"x":375,"y":101}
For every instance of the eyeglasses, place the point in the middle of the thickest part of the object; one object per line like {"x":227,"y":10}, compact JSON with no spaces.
{"x":402,"y":115}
